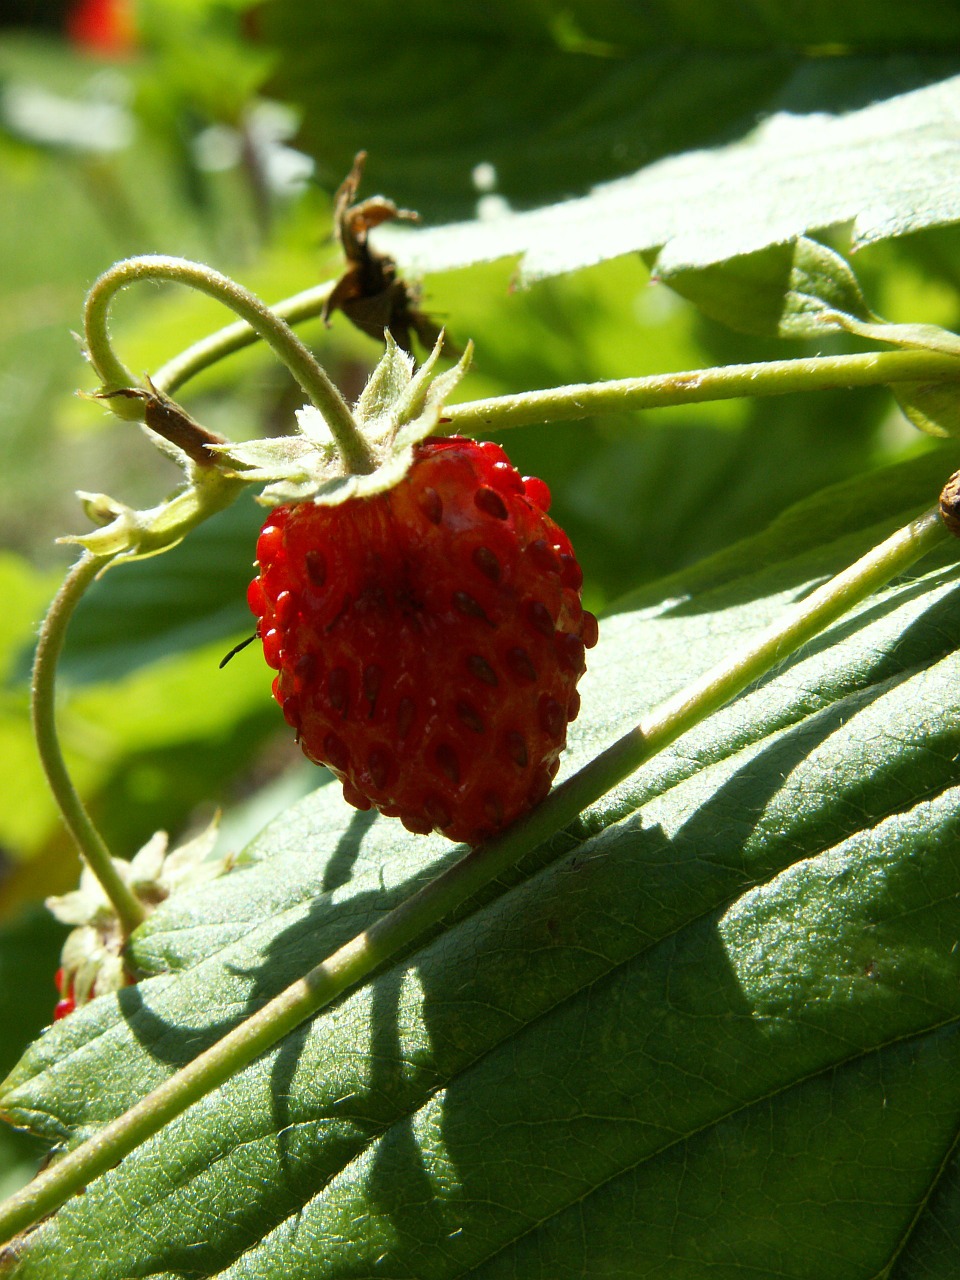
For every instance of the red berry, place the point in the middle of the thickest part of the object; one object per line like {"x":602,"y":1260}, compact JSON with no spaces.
{"x":428,"y":639}
{"x":64,"y":1007}
{"x":67,"y":1003}
{"x":102,"y":26}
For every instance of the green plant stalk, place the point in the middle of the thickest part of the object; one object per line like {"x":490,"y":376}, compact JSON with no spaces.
{"x":727,"y":382}
{"x":268,"y":325}
{"x":78,"y":821}
{"x":143,"y":533}
{"x":391,"y":934}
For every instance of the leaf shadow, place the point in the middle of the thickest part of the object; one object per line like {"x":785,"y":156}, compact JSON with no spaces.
{"x":339,"y":867}
{"x":398,"y":1186}
{"x":308,"y":940}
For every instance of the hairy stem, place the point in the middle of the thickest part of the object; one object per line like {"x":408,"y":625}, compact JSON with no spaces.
{"x":579,"y":400}
{"x":268,"y":325}
{"x":89,"y":840}
{"x":393,"y":932}
{"x":728,"y":382}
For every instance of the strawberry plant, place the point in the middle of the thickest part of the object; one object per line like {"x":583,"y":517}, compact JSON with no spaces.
{"x":686,"y":1003}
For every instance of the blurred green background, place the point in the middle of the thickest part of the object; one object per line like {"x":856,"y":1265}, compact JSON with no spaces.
{"x":219,"y":131}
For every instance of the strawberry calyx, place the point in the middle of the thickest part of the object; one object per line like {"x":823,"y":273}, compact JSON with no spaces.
{"x":399,"y":407}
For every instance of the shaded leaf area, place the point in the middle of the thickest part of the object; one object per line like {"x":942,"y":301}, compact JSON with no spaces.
{"x":804,"y":539}
{"x":731,"y":984}
{"x":801,"y":288}
{"x":557,"y":98}
{"x":882,"y":169}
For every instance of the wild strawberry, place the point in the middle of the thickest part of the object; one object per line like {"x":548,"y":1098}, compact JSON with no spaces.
{"x":428,"y":638}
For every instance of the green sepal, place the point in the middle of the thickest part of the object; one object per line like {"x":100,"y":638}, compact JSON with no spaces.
{"x":378,"y":407}
{"x":134,"y":535}
{"x":397,"y":409}
{"x":426,"y":396}
{"x":100,"y":509}
{"x":279,"y":458}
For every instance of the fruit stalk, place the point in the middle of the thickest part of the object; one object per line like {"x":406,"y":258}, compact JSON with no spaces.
{"x":313,"y":379}
{"x":49,"y":645}
{"x":393,"y":932}
{"x":208,"y":351}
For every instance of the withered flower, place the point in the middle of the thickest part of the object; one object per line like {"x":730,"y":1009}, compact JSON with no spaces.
{"x":371,"y":293}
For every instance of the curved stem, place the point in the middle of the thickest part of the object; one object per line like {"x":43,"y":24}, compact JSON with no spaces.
{"x":88,"y":838}
{"x":728,"y":382}
{"x":315,"y":382}
{"x":393,"y":932}
{"x":235,"y":337}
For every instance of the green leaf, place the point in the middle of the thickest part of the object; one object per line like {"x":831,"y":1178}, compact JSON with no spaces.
{"x":789,"y":290}
{"x":713,"y":1025}
{"x":885,"y":170}
{"x":551,"y":99}
{"x":933,"y":407}
{"x":782,"y":552}
{"x":29,"y":950}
